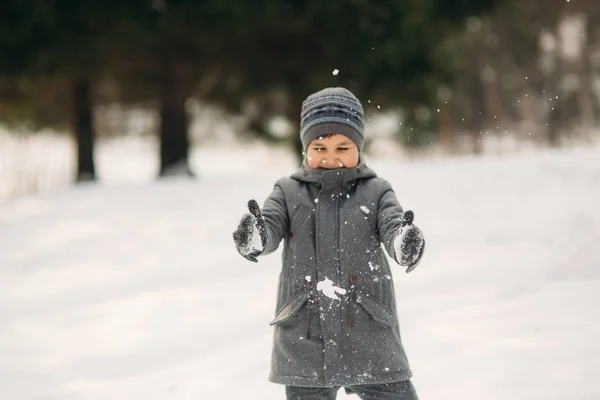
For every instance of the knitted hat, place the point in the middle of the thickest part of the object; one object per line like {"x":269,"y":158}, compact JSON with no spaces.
{"x":332,"y":110}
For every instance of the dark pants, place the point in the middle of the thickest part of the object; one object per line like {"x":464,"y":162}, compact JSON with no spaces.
{"x":387,"y":391}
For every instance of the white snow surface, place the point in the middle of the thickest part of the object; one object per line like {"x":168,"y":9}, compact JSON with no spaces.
{"x":135,"y":291}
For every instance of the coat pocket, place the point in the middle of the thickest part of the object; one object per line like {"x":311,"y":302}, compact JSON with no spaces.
{"x":290,"y":308}
{"x":376,"y":310}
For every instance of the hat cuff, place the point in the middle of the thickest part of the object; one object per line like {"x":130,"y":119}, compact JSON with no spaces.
{"x":332,"y":128}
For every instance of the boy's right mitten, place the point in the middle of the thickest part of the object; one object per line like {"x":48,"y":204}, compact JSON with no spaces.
{"x":251,"y":235}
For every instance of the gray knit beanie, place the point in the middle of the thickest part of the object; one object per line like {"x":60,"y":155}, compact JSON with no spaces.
{"x":332,"y":110}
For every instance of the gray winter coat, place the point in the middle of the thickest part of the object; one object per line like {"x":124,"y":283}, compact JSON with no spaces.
{"x":333,"y":223}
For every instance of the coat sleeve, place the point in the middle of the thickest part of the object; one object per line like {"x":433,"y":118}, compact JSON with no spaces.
{"x":275,"y":213}
{"x":389,"y":218}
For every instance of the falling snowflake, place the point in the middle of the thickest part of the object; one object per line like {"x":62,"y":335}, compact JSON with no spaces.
{"x":335,"y":71}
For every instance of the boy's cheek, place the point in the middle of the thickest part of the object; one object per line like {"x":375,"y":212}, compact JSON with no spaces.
{"x":312,"y":162}
{"x":352,"y":161}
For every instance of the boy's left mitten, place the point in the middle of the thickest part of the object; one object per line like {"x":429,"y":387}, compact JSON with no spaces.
{"x":409,"y":244}
{"x":251,"y":235}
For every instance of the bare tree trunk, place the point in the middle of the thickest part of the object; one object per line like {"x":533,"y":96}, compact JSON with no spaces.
{"x":556,"y":119}
{"x":496,"y":116}
{"x":478,"y":105}
{"x":258,"y":121}
{"x":83,"y":129}
{"x":476,"y":131}
{"x":174,"y":120}
{"x":584,"y":95}
{"x":293,"y":113}
{"x":445,"y":130}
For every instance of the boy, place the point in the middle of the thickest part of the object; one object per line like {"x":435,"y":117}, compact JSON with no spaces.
{"x":336,"y":322}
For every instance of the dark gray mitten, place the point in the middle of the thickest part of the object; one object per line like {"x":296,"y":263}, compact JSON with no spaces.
{"x":251,"y":235}
{"x":409,"y":244}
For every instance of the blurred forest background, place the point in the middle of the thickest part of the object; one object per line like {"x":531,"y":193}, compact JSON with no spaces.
{"x":440,"y":75}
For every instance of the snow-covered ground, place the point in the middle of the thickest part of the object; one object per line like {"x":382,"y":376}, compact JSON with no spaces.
{"x":133,"y":290}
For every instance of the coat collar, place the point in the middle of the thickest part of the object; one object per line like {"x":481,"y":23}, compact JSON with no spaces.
{"x":329,"y":179}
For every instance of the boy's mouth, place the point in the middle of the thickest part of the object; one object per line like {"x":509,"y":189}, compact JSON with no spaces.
{"x":340,"y":165}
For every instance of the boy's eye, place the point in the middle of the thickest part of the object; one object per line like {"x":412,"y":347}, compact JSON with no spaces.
{"x":343,"y":148}
{"x":318,"y":148}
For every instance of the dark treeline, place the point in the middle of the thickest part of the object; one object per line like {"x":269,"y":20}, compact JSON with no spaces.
{"x":60,"y":59}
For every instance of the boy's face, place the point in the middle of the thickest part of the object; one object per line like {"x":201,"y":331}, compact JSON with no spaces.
{"x":334,"y":151}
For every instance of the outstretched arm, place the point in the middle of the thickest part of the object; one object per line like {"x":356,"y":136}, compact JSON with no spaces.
{"x":260,"y":232}
{"x":276,"y":218}
{"x":403,"y":241}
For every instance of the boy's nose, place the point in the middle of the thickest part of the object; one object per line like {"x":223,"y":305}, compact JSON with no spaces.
{"x":332,"y":162}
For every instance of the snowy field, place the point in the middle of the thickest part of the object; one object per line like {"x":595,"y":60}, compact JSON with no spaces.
{"x":134,"y":290}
